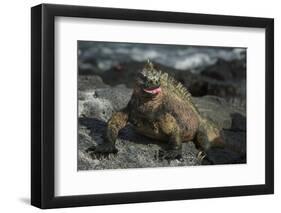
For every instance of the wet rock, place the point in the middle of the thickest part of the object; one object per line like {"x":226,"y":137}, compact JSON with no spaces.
{"x":119,"y":95}
{"x":226,"y":70}
{"x":211,"y":108}
{"x":93,"y":107}
{"x":199,"y":85}
{"x":125,"y":76}
{"x":238,"y":122}
{"x":101,"y":102}
{"x":90,"y":82}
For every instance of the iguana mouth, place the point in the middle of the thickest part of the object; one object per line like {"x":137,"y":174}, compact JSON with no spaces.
{"x":153,"y":90}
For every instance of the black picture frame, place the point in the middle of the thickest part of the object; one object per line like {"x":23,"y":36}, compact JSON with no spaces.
{"x":43,"y":117}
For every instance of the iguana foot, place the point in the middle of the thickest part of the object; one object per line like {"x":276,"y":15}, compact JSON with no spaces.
{"x":102,"y":150}
{"x":174,"y":154}
{"x":204,"y":159}
{"x":201,"y":155}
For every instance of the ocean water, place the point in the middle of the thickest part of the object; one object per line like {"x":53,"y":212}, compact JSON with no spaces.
{"x":104,"y":55}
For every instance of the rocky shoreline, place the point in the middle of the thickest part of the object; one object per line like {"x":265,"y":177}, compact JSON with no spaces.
{"x":100,"y":96}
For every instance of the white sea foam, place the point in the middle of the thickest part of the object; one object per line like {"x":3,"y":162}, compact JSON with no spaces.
{"x":104,"y":55}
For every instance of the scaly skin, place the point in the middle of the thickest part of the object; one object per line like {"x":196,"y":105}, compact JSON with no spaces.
{"x":162,"y":109}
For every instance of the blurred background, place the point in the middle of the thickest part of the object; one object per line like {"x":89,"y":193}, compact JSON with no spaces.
{"x":219,"y":71}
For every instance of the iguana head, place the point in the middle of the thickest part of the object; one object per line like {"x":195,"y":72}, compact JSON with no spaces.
{"x":148,"y":79}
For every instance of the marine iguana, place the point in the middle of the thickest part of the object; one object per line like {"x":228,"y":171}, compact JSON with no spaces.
{"x":161,"y":108}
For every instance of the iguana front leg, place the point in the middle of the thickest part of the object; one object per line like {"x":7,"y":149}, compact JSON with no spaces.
{"x":169,"y":127}
{"x":114,"y":125}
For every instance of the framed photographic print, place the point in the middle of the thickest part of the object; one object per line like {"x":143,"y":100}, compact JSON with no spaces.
{"x":139,"y":106}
